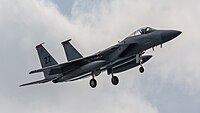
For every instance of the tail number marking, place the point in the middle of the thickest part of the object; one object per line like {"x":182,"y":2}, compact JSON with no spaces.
{"x":47,"y":59}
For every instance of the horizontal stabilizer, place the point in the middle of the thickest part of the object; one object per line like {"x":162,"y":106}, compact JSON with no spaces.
{"x":36,"y":71}
{"x":39,"y":81}
{"x":46,"y":68}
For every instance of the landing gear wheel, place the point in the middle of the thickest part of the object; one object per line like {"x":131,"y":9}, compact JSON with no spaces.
{"x":114,"y":80}
{"x":141,"y":69}
{"x":93,"y":83}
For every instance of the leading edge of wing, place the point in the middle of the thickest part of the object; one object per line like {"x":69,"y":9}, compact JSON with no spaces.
{"x":38,"y":82}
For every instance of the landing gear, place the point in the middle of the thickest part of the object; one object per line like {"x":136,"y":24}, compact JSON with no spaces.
{"x":139,"y":61}
{"x":93,"y":83}
{"x":115,"y":80}
{"x":141,"y":69}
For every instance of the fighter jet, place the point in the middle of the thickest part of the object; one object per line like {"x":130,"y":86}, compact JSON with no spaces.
{"x":124,"y":55}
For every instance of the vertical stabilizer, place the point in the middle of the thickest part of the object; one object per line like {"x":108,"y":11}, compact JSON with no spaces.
{"x":45,"y":58}
{"x":70,"y":51}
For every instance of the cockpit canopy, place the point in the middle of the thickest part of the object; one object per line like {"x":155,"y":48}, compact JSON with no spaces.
{"x":144,"y":30}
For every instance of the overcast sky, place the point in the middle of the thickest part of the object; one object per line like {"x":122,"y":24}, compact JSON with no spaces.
{"x":170,"y":84}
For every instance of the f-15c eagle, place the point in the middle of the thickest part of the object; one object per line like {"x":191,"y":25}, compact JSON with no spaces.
{"x":123,"y":56}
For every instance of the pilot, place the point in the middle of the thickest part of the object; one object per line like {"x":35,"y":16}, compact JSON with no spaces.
{"x":143,"y":31}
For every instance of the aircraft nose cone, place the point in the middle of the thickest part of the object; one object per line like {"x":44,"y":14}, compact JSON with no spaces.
{"x":168,"y":35}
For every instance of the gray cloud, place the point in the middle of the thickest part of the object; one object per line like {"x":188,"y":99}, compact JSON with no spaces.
{"x":94,"y":26}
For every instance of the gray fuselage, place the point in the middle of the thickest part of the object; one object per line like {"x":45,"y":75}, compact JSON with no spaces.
{"x":122,"y":53}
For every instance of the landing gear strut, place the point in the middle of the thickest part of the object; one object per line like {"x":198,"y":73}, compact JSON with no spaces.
{"x":139,"y":60}
{"x":93,"y":82}
{"x":114,"y":79}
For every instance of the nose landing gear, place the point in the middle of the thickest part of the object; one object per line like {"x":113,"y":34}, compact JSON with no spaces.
{"x":139,"y":61}
{"x":141,"y":69}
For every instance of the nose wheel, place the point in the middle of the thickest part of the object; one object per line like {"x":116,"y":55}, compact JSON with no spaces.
{"x":141,"y":69}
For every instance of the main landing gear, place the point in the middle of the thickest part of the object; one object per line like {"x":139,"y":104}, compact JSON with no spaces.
{"x":114,"y":80}
{"x":93,"y":82}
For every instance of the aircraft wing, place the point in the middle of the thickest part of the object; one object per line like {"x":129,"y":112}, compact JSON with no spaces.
{"x":38,"y":82}
{"x":58,"y":68}
{"x":74,"y":64}
{"x":81,"y":77}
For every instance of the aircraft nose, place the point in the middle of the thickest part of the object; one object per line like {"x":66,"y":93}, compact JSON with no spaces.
{"x":169,"y":35}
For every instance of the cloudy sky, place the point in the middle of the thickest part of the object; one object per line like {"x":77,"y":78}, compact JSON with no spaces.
{"x":170,"y":84}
